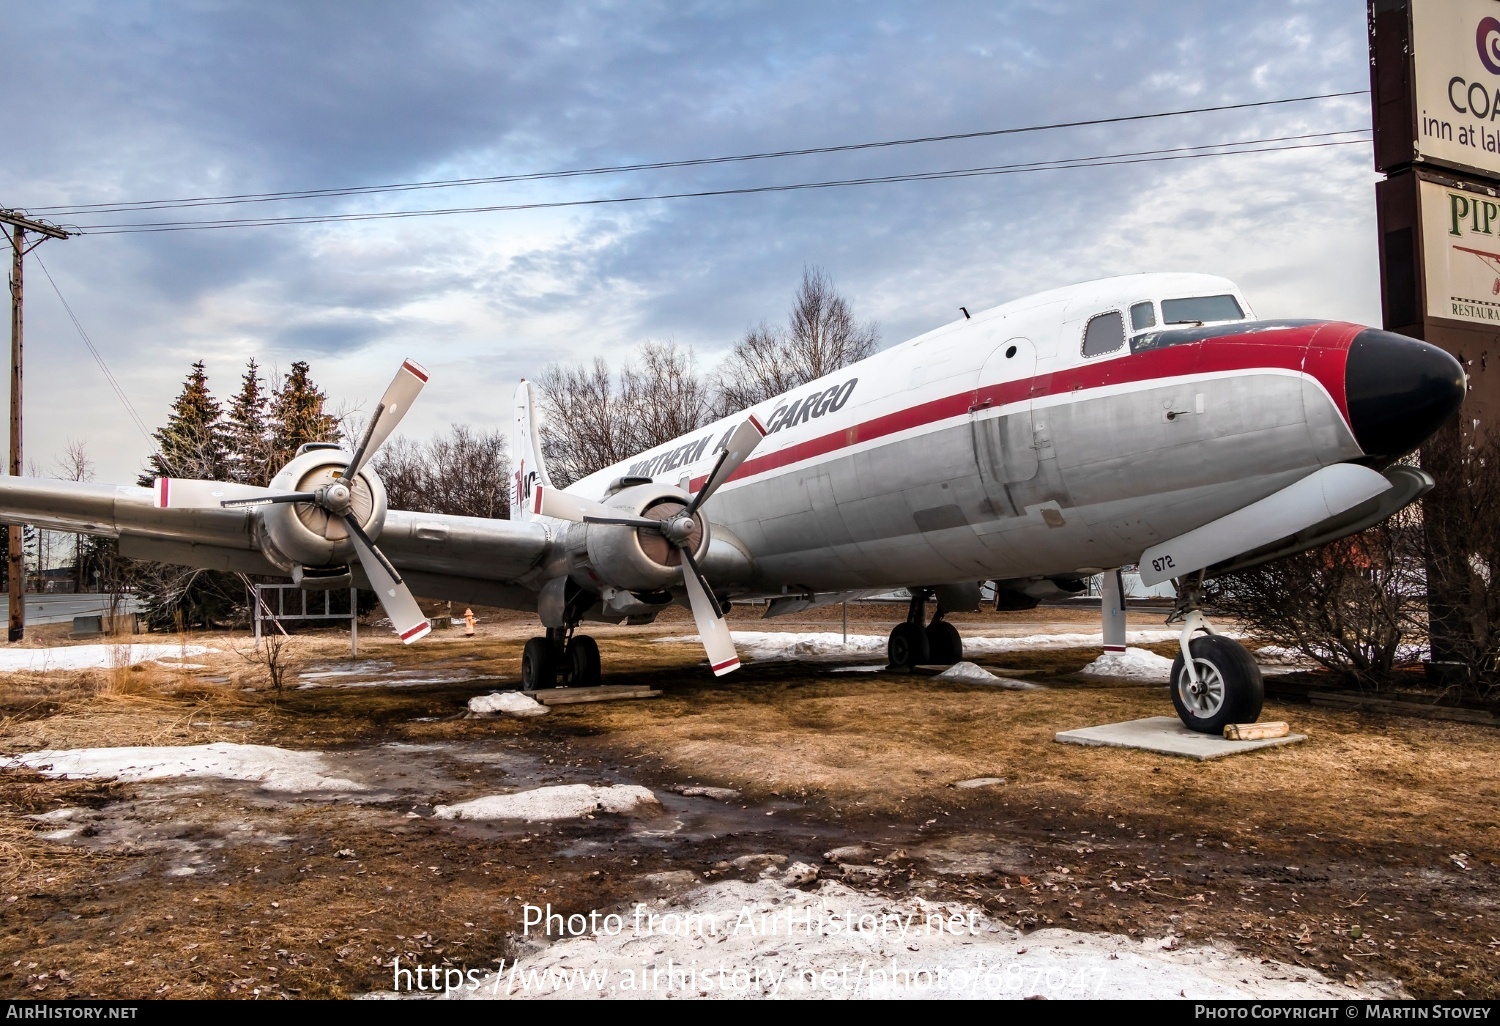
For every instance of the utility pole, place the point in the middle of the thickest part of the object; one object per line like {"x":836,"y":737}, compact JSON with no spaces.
{"x":19,"y":226}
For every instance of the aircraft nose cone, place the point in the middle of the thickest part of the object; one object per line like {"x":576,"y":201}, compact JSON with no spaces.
{"x":1399,"y":391}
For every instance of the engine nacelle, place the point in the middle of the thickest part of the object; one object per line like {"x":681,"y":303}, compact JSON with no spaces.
{"x":637,"y":560}
{"x":299,"y":534}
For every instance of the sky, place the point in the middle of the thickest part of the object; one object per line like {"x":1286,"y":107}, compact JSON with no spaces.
{"x":127,"y":100}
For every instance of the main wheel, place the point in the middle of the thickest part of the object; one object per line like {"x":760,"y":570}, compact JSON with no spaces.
{"x":944,"y":646}
{"x":538,"y":665}
{"x":1229,"y":689}
{"x":908,"y":645}
{"x":581,"y":662}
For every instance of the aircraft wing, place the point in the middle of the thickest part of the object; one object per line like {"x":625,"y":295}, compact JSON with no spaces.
{"x":469,"y":559}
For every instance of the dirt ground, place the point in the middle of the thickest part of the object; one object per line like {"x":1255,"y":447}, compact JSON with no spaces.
{"x":1371,"y":851}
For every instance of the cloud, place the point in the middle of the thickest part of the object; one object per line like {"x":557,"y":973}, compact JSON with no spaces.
{"x":149,"y":101}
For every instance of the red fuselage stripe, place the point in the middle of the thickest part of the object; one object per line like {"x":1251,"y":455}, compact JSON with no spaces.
{"x":1317,"y":349}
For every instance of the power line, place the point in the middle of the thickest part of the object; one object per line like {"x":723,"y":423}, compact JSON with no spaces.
{"x":300,"y":194}
{"x":99,"y":359}
{"x":1251,"y":146}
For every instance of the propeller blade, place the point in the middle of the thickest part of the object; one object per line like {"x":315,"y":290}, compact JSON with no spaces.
{"x":625,"y":522}
{"x":549,"y":502}
{"x":191,"y":493}
{"x":744,"y":440}
{"x":714,"y":632}
{"x":395,"y":597}
{"x":398,"y":398}
{"x":266,"y":500}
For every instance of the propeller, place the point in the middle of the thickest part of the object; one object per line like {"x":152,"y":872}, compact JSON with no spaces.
{"x":681,"y":531}
{"x":335,"y":498}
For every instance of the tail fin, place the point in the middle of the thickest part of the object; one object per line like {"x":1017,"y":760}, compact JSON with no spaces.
{"x":527,"y":468}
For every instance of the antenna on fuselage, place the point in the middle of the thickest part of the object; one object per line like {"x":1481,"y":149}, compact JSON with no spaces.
{"x":966,"y":312}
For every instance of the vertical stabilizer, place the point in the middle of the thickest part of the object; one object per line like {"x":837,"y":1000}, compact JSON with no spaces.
{"x":526,"y":466}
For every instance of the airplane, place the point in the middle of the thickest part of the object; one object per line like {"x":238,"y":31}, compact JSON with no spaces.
{"x":1147,"y":420}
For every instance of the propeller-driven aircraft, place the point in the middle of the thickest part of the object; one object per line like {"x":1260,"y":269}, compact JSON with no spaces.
{"x":1148,"y":420}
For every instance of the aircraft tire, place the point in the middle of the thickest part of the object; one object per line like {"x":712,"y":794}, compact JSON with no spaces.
{"x":538,"y":665}
{"x":1234,"y":691}
{"x":582,"y":662}
{"x":945,"y":645}
{"x":907,"y":646}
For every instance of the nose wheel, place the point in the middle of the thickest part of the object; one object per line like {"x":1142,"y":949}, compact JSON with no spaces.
{"x":1222,"y":684}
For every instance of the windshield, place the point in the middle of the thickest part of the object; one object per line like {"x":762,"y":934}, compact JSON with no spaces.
{"x":1201,"y":310}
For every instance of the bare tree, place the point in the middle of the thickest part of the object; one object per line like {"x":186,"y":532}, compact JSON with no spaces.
{"x":1348,"y":606}
{"x":75,"y":465}
{"x":1462,"y":517}
{"x":820,"y":337}
{"x":591,"y":423}
{"x":465,"y":472}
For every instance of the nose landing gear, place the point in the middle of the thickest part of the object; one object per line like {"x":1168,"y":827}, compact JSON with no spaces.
{"x":1215,"y":680}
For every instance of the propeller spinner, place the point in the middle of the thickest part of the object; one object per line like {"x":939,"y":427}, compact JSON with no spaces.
{"x":336,"y":498}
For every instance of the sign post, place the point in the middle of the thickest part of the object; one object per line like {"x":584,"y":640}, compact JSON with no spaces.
{"x":1435,"y":98}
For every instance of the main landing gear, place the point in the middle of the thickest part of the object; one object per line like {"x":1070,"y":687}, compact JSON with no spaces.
{"x":1222,"y":683}
{"x":913,"y":644}
{"x":562,"y":658}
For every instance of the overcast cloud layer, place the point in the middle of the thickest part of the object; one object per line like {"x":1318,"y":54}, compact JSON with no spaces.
{"x":126,"y":100}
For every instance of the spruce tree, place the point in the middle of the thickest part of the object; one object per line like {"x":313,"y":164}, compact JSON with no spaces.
{"x":192,"y":444}
{"x":297,"y":416}
{"x":247,"y":432}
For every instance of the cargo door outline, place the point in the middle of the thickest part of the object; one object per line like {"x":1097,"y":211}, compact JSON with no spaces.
{"x":1003,"y":434}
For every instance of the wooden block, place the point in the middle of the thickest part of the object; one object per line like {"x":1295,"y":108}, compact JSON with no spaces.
{"x":603,"y":693}
{"x":1256,"y":731}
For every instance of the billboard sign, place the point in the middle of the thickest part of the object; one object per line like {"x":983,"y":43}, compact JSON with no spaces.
{"x":1455,"y":46}
{"x":1461,"y":253}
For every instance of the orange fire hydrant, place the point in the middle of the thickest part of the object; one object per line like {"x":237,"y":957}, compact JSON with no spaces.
{"x":469,"y":623}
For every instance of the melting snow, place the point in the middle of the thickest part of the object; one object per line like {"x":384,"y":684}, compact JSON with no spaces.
{"x":512,"y":702}
{"x":1134,"y":664}
{"x":736,"y":940}
{"x":88,"y":657}
{"x":979,"y":675}
{"x":275,"y":769}
{"x":562,"y":801}
{"x":778,"y":646}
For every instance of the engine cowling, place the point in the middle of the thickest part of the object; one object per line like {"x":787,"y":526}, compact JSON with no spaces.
{"x":636,"y":560}
{"x":304,"y":535}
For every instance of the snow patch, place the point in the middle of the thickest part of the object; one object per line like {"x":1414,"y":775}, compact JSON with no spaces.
{"x":512,"y":702}
{"x":886,"y":950}
{"x":1132,"y":664}
{"x":91,"y":657}
{"x":975,"y":674}
{"x":275,"y":769}
{"x":562,"y":801}
{"x":786,"y":646}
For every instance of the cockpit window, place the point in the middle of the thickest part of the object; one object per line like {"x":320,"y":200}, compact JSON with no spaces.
{"x":1142,"y":316}
{"x":1181,"y":336}
{"x":1201,"y":310}
{"x":1105,"y":334}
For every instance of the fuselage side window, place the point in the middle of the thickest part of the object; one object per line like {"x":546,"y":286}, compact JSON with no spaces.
{"x":1201,"y":310}
{"x":1142,"y":316}
{"x":1105,"y":334}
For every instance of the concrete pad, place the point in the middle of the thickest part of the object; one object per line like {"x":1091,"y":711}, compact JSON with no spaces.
{"x":1167,"y":735}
